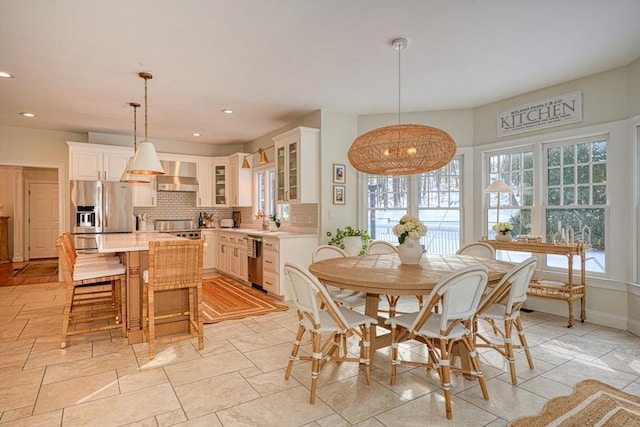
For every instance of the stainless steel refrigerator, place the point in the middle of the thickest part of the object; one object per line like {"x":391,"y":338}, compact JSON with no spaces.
{"x":99,"y":207}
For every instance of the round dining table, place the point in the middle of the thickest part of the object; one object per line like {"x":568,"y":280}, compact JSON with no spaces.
{"x":384,"y":274}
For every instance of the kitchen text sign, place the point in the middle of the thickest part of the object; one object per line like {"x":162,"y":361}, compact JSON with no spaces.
{"x":547,"y":113}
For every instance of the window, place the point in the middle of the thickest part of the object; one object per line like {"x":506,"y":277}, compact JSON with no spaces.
{"x":576,"y":197}
{"x":434,"y":197}
{"x":516,"y":169}
{"x":265,"y":196}
{"x":573,"y":197}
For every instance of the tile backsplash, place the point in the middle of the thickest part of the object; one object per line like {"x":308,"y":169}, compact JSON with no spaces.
{"x":182,"y":205}
{"x":179,"y":205}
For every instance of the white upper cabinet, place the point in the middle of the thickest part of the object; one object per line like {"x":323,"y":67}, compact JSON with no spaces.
{"x":240,"y":181}
{"x":145,"y":195}
{"x":298,"y":166}
{"x":204,"y":197}
{"x":220,"y":181}
{"x":95,"y":162}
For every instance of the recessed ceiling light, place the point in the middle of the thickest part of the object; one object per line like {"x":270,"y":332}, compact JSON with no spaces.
{"x":228,"y":111}
{"x":195,"y":134}
{"x":27,"y":114}
{"x":5,"y":75}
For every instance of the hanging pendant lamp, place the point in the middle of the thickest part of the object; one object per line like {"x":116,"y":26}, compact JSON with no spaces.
{"x":130,"y":177}
{"x":146,"y":160}
{"x":401,"y":149}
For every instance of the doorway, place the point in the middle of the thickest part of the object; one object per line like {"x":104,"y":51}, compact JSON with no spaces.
{"x":42,"y":217}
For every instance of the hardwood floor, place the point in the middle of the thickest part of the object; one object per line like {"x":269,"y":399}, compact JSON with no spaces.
{"x":8,"y":269}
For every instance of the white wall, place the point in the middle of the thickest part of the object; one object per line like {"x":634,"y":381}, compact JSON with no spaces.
{"x":457,"y":123}
{"x":336,"y":135}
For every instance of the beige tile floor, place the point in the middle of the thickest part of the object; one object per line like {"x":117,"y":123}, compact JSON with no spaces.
{"x":237,"y":380}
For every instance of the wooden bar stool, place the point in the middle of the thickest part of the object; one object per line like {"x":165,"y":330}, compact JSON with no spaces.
{"x":173,"y":264}
{"x":96,"y":295}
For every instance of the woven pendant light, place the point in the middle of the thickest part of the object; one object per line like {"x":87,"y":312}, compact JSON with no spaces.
{"x":401,"y":149}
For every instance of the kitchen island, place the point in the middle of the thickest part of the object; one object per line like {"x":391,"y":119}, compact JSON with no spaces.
{"x":134,"y":248}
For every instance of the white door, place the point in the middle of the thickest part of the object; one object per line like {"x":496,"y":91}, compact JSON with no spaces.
{"x":43,"y":220}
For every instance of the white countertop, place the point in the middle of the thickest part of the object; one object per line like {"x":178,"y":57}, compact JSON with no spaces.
{"x":264,"y":233}
{"x":128,"y":242}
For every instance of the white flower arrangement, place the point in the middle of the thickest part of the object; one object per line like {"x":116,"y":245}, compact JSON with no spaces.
{"x":411,"y":227}
{"x":503,"y":227}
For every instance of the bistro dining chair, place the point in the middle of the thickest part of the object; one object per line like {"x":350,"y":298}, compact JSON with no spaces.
{"x":479,"y":249}
{"x":318,"y":314}
{"x":458,"y":294}
{"x":384,"y":247}
{"x":502,"y":304}
{"x":95,"y":294}
{"x":345,"y":297}
{"x":174,"y":265}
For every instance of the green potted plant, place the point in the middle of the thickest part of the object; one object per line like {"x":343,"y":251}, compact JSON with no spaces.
{"x":352,"y":240}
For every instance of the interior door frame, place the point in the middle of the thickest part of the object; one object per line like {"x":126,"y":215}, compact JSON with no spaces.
{"x":19,"y":247}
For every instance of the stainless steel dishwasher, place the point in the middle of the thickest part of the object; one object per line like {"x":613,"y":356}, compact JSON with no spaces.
{"x":254,"y":261}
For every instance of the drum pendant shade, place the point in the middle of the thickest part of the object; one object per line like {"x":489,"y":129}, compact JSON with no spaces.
{"x":402,"y":150}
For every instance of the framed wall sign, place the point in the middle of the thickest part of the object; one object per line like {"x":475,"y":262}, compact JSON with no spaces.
{"x":339,"y":174}
{"x":338,"y":194}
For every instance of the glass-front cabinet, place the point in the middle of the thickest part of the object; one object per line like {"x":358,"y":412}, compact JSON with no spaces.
{"x":280,"y":175}
{"x":297,"y":166}
{"x":220,"y":184}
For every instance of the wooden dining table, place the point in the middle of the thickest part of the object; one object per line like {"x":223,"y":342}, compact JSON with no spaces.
{"x":384,"y":274}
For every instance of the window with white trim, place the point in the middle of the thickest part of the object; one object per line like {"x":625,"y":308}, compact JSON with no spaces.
{"x":264,"y":184}
{"x":516,"y":169}
{"x":573,"y":197}
{"x":435,"y":197}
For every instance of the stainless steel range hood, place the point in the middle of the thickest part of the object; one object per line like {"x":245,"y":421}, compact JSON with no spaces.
{"x":178,"y":176}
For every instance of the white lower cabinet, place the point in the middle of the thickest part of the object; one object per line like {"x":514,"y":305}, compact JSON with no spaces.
{"x":276,"y":251}
{"x":271,"y":266}
{"x":210,"y":249}
{"x":223,"y":253}
{"x":232,"y":255}
{"x":238,"y":267}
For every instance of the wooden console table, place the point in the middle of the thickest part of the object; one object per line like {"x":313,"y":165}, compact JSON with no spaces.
{"x":568,"y":291}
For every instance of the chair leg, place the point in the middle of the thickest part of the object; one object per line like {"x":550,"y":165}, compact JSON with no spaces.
{"x":366,"y":347}
{"x":394,"y":354}
{"x":123,"y":307}
{"x":71,"y":290}
{"x":475,"y":365}
{"x":316,"y":358}
{"x":151,"y":324}
{"x":445,"y":376}
{"x":294,"y":350}
{"x":200,"y":318}
{"x":523,"y":341}
{"x":508,"y":346}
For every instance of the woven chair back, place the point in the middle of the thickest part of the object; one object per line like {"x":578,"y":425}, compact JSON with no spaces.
{"x":175,"y":264}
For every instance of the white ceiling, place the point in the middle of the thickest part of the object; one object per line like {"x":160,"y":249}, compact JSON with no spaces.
{"x":76,"y":63}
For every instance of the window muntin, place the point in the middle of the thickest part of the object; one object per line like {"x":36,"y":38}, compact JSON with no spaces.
{"x":435,"y":197}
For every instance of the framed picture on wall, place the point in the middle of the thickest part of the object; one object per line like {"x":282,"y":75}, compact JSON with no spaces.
{"x":339,"y":174}
{"x":338,"y":194}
